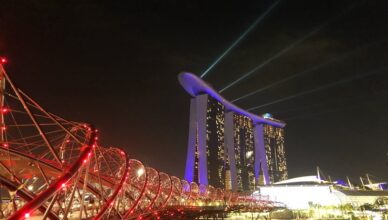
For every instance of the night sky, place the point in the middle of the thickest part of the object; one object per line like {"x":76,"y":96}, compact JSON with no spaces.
{"x":115,"y":64}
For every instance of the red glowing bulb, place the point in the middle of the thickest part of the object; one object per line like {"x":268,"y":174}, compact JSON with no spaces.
{"x":27,"y":215}
{"x":3,"y":60}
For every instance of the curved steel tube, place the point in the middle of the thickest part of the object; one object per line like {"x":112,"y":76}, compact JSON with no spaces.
{"x":53,"y":188}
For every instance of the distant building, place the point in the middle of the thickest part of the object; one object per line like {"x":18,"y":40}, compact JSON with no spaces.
{"x":308,"y":191}
{"x":229,"y":147}
{"x":215,"y":144}
{"x":274,"y":148}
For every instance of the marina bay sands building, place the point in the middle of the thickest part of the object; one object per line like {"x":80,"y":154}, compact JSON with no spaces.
{"x":229,"y":147}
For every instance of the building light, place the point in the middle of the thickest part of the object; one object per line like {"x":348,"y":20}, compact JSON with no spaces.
{"x":249,"y":154}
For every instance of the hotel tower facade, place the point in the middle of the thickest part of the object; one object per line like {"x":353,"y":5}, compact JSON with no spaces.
{"x":229,"y":147}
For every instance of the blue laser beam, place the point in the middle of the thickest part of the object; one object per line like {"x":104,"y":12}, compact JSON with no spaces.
{"x":240,"y":38}
{"x":288,"y":48}
{"x":328,"y":111}
{"x":310,"y":70}
{"x":319,"y":105}
{"x":344,"y":102}
{"x":360,"y":76}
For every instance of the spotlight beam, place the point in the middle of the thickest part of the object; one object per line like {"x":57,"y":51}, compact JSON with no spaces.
{"x":344,"y":102}
{"x":360,"y":76}
{"x":288,"y":48}
{"x":312,"y":69}
{"x":240,"y":38}
{"x":329,"y":111}
{"x":318,"y":105}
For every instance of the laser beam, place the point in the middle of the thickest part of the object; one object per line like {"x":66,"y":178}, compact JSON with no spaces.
{"x":360,"y":76}
{"x":288,"y":48}
{"x":319,"y":105}
{"x":344,"y":102}
{"x":329,"y":111}
{"x":240,"y":38}
{"x":310,"y":70}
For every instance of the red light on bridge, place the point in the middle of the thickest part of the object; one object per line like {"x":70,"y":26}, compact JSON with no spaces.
{"x":3,"y":60}
{"x":27,"y":215}
{"x":4,"y":110}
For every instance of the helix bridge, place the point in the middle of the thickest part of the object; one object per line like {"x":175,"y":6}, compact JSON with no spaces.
{"x":52,"y":168}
